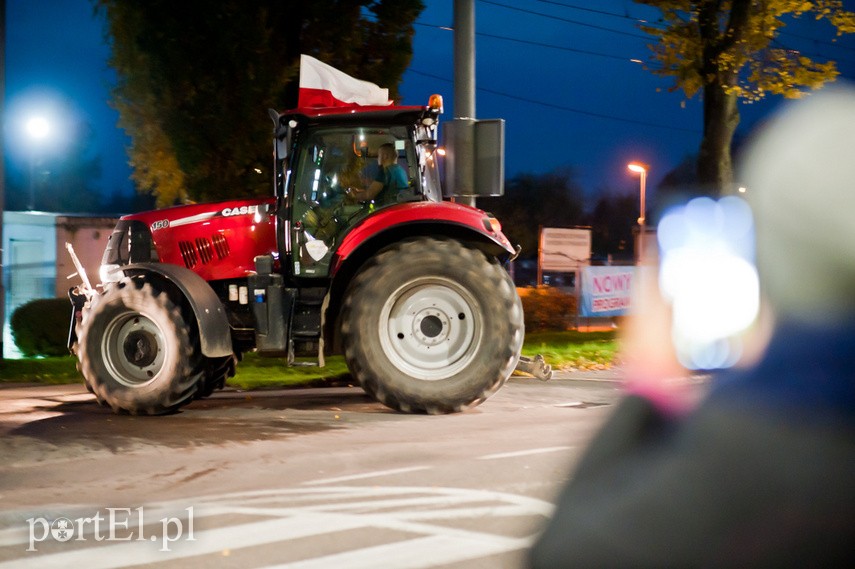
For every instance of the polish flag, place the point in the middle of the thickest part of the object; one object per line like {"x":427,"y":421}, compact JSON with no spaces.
{"x":322,"y":85}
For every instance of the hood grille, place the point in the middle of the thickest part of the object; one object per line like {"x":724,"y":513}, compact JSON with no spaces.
{"x":203,"y":250}
{"x":221,"y":246}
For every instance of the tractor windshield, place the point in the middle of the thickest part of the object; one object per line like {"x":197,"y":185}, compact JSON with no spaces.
{"x":335,"y":159}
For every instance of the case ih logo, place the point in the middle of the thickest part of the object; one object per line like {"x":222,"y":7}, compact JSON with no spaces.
{"x":242,"y":210}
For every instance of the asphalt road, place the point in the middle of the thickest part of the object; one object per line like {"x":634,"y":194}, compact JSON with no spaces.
{"x":306,"y":478}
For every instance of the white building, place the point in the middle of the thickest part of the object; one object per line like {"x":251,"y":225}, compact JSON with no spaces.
{"x":36,"y":263}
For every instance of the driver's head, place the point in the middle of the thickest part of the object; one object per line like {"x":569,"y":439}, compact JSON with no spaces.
{"x":387,"y":154}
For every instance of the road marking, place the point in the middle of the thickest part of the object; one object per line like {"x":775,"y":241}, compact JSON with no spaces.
{"x":364,"y":475}
{"x":281,"y":516}
{"x":231,"y":537}
{"x":419,"y":553}
{"x":527,"y":452}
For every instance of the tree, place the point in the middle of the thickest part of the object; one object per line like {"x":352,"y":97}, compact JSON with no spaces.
{"x":612,"y":223}
{"x":677,"y":186}
{"x":532,"y":201}
{"x":727,"y":50}
{"x":195,"y":80}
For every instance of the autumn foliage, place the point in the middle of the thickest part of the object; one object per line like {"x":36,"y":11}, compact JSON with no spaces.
{"x":729,"y":50}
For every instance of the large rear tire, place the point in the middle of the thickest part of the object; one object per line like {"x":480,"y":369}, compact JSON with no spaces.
{"x":431,"y":326}
{"x":135,"y":350}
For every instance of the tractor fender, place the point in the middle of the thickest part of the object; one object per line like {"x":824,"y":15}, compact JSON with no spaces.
{"x":417,"y":218}
{"x":215,"y":336}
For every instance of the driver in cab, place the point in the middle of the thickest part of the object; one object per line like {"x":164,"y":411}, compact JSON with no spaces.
{"x":389,"y":181}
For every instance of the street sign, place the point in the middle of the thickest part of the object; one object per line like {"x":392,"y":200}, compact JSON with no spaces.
{"x":566,"y":250}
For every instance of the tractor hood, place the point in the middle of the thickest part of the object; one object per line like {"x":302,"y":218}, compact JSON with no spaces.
{"x":215,"y":240}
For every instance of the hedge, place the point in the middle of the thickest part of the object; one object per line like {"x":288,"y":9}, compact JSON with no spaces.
{"x":547,"y":308}
{"x":40,"y":327}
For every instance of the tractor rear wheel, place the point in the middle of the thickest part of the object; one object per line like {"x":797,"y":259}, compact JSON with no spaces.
{"x":136,"y":352}
{"x":431,"y":326}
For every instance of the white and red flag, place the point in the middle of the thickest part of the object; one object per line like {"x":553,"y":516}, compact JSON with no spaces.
{"x":322,"y":85}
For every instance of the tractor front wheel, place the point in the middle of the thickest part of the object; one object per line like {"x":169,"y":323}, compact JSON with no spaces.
{"x":135,"y":350}
{"x":431,"y":326}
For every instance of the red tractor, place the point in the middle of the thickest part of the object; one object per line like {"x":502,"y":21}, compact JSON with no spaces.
{"x":410,"y":288}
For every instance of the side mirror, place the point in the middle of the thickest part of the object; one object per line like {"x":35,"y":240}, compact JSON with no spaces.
{"x":475,"y":157}
{"x":281,"y":134}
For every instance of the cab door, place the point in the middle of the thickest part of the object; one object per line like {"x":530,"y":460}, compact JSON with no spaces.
{"x":331,"y":160}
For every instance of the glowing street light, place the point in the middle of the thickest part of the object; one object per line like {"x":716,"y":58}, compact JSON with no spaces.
{"x":38,"y":129}
{"x":641,"y":170}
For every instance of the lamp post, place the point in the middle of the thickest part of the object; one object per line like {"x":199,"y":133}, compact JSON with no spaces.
{"x":38,"y":129}
{"x":464,"y":85}
{"x":641,"y":170}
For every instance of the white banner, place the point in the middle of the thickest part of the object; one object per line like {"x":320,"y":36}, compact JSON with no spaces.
{"x":606,"y":291}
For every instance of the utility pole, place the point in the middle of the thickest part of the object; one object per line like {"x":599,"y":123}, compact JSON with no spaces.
{"x":2,"y":170}
{"x":464,"y":72}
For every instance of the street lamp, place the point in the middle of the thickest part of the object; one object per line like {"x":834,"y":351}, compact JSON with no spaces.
{"x":641,"y":170}
{"x":38,"y":129}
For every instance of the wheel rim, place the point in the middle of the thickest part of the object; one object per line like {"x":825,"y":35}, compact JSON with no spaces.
{"x":133,"y":348}
{"x":430,"y":328}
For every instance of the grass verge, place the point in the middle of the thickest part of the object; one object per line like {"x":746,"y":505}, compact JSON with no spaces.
{"x":562,"y":350}
{"x":255,"y":372}
{"x":53,"y":370}
{"x":573,"y":350}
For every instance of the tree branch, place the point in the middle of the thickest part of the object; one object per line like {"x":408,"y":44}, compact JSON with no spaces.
{"x":740,"y":12}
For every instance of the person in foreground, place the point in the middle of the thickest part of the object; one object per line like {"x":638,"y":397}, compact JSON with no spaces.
{"x":761,"y":472}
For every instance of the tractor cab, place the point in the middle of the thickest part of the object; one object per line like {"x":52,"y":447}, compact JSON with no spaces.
{"x":325,"y":157}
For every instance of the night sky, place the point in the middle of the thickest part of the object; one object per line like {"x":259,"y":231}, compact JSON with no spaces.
{"x":559,"y":72}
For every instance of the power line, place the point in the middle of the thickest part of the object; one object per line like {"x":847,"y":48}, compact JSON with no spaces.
{"x":603,"y":28}
{"x":568,"y":49}
{"x":541,"y":44}
{"x":641,"y":20}
{"x":779,"y":45}
{"x":567,"y":20}
{"x":563,"y":108}
{"x":562,"y":48}
{"x":593,"y":10}
{"x":817,"y":41}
